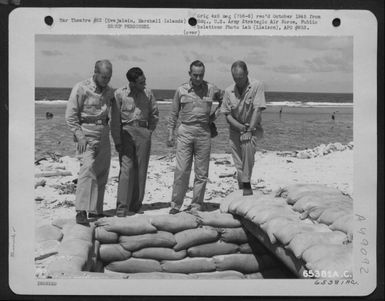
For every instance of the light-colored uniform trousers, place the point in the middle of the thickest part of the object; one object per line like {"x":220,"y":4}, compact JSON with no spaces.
{"x":193,"y":141}
{"x":243,"y":155}
{"x":134,"y":159}
{"x":94,"y":169}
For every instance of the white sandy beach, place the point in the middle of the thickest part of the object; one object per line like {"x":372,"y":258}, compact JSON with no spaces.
{"x":331,"y":165}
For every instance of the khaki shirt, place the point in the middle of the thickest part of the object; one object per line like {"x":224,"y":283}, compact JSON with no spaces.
{"x":85,"y":108}
{"x":130,"y":105}
{"x":241,"y":107}
{"x":190,"y":107}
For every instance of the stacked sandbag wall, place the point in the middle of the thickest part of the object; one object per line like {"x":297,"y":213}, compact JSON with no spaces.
{"x":308,"y":226}
{"x":203,"y":245}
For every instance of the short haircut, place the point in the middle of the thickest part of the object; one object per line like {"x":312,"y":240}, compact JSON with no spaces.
{"x":197,"y":63}
{"x":239,"y":64}
{"x":133,"y":74}
{"x":102,"y":63}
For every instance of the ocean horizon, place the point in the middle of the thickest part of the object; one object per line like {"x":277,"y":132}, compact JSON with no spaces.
{"x":292,"y":99}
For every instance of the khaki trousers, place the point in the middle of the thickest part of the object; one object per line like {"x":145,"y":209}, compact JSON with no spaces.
{"x":134,"y":159}
{"x":93,"y":173}
{"x":243,"y":156}
{"x":193,"y":142}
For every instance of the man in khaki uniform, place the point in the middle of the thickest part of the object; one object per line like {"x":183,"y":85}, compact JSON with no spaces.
{"x":87,"y":114}
{"x":134,"y":117}
{"x":192,"y":104}
{"x":243,"y":104}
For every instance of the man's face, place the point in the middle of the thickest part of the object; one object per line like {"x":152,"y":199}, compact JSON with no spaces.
{"x":240,"y":77}
{"x":140,"y":83}
{"x":103,"y":77}
{"x":196,"y":74}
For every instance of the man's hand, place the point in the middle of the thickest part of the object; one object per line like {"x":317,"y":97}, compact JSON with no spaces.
{"x":170,"y":141}
{"x":118,"y":148}
{"x":246,"y":137}
{"x":82,"y":145}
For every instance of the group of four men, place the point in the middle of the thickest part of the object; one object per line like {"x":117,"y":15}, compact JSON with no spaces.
{"x":132,"y":113}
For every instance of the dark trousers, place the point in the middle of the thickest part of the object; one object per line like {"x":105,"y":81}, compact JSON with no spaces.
{"x":134,"y":158}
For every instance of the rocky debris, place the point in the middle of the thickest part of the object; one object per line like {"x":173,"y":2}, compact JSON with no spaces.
{"x":318,"y":151}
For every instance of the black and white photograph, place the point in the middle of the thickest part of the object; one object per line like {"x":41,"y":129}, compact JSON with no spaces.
{"x":225,"y":156}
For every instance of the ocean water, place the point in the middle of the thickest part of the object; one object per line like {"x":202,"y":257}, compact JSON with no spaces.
{"x":294,"y":99}
{"x":301,"y":125}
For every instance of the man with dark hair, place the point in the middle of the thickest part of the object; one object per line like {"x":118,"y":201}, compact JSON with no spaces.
{"x":192,"y":104}
{"x":87,"y":113}
{"x":243,"y":104}
{"x":134,"y":117}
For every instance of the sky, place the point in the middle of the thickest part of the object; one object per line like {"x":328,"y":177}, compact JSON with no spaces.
{"x":292,"y":64}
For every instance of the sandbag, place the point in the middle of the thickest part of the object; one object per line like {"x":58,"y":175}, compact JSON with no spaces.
{"x":77,"y":231}
{"x":345,"y":224}
{"x":235,"y":197}
{"x":65,"y":264}
{"x":135,"y":242}
{"x":233,"y":235}
{"x":134,"y":265}
{"x":75,"y":247}
{"x":189,"y":265}
{"x":105,"y":237}
{"x":266,"y":214}
{"x":330,"y":215}
{"x":61,"y":222}
{"x":219,"y":275}
{"x":286,"y":234}
{"x":314,"y":199}
{"x":160,"y":254}
{"x":257,"y":275}
{"x":303,"y":241}
{"x":159,"y":275}
{"x":46,"y":248}
{"x":245,"y":248}
{"x":48,"y":232}
{"x":296,"y":191}
{"x":335,"y":265}
{"x":273,"y":225}
{"x":174,"y":223}
{"x":194,"y":237}
{"x":113,"y":252}
{"x":246,"y":206}
{"x":212,"y":249}
{"x":218,"y":220}
{"x":244,"y":263}
{"x":129,"y":225}
{"x":320,"y":251}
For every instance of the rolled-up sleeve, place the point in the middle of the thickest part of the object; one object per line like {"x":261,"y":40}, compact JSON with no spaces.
{"x":259,"y":98}
{"x":173,"y":118}
{"x":73,"y":112}
{"x":226,"y":106}
{"x":115,"y":119}
{"x":154,"y":116}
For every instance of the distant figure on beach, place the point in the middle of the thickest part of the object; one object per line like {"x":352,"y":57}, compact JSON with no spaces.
{"x":280,"y":113}
{"x":134,"y":117}
{"x":243,"y":104}
{"x":87,"y":114}
{"x":192,"y":104}
{"x":48,"y":115}
{"x":334,"y":116}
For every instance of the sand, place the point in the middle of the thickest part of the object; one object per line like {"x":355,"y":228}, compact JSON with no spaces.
{"x":332,"y":166}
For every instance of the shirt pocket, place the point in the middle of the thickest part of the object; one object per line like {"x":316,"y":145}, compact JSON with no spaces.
{"x":128,"y":104}
{"x":187,"y":103}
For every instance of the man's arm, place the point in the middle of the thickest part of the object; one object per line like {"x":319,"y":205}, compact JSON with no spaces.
{"x":173,"y":118}
{"x":154,"y":117}
{"x":72,"y":117}
{"x":115,"y":121}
